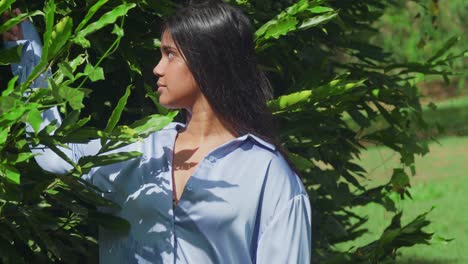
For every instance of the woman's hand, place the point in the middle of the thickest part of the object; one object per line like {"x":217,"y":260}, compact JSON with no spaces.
{"x":15,"y":33}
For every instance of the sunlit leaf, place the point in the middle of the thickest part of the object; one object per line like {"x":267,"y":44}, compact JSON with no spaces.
{"x":4,"y":135}
{"x":317,"y":20}
{"x":94,"y":73}
{"x":59,"y":36}
{"x":11,"y":86}
{"x":108,"y":18}
{"x":152,"y":123}
{"x":5,"y":4}
{"x":114,"y":118}
{"x":90,"y":14}
{"x":35,"y":119}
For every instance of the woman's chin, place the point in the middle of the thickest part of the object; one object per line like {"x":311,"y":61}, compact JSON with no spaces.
{"x":167,"y":104}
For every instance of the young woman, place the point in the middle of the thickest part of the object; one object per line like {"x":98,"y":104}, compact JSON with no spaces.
{"x":213,"y":190}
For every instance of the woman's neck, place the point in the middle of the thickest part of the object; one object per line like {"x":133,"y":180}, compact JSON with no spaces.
{"x":203,"y":124}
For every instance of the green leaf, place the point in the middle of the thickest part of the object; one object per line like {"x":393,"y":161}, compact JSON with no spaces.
{"x":68,"y":121}
{"x":444,"y":49}
{"x":17,"y":19}
{"x":14,"y":114}
{"x":4,"y":135}
{"x":94,"y":73}
{"x":152,"y":123}
{"x":49,"y":9}
{"x":5,"y":4}
{"x":35,"y":119}
{"x":400,"y":181}
{"x":115,"y":116}
{"x":24,"y":156}
{"x":55,"y":90}
{"x":88,"y":162}
{"x":74,"y":97}
{"x":73,"y":206}
{"x":82,"y":135}
{"x":125,"y":133}
{"x":301,"y":162}
{"x":11,"y":86}
{"x":118,"y":31}
{"x":55,"y":248}
{"x":106,"y":19}
{"x":296,"y":8}
{"x":359,"y":118}
{"x":11,"y":173}
{"x":133,"y":63}
{"x":317,"y":20}
{"x":289,"y":100}
{"x":80,"y":59}
{"x":276,"y":28}
{"x":66,"y":69}
{"x":150,"y":93}
{"x":320,"y":9}
{"x":11,"y":55}
{"x":157,"y":43}
{"x":90,"y":14}
{"x":386,"y":114}
{"x":59,"y":36}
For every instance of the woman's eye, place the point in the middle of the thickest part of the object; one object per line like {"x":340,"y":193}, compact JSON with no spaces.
{"x":170,"y":55}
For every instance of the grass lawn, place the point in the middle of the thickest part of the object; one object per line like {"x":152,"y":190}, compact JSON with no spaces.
{"x":441,"y":181}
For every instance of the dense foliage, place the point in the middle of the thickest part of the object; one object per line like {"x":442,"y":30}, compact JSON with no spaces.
{"x":330,"y":82}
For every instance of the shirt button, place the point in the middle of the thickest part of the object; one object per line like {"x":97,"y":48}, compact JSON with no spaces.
{"x":212,"y":159}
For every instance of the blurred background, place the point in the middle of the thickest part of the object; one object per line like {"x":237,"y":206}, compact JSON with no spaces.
{"x":441,"y":180}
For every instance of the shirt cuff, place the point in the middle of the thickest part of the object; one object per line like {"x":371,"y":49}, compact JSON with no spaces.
{"x":11,"y":44}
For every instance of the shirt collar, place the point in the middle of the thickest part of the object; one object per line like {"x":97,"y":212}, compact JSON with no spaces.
{"x":258,"y":140}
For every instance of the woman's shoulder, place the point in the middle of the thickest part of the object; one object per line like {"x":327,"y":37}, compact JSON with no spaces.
{"x":279,"y":174}
{"x":282,"y":176}
{"x":282,"y":187}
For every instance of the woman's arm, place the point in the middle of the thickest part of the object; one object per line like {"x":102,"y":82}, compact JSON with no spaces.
{"x":287,"y":238}
{"x":26,"y":34}
{"x":285,"y":217}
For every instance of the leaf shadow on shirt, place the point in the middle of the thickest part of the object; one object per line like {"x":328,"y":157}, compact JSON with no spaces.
{"x":142,"y":188}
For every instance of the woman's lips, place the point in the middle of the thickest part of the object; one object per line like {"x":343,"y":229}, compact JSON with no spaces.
{"x":160,"y":88}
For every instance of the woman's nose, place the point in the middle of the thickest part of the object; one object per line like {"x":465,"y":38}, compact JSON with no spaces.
{"x":157,"y":70}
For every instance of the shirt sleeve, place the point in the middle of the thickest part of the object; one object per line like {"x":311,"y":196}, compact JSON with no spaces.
{"x":287,"y":238}
{"x":30,"y":57}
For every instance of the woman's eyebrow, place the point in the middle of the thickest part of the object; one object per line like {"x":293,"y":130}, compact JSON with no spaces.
{"x":167,"y":48}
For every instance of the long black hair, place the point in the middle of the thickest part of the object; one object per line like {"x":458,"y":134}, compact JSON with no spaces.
{"x":217,"y":42}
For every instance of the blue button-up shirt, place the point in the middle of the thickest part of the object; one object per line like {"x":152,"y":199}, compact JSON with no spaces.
{"x":242,"y":204}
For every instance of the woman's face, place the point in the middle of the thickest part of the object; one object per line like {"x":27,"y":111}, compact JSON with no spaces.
{"x":176,"y":86}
